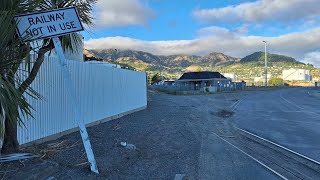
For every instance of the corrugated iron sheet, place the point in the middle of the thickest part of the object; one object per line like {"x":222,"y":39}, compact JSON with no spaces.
{"x":102,"y":92}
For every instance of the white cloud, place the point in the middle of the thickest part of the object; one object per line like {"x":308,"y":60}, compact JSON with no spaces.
{"x":313,"y":58}
{"x":214,"y":31}
{"x":243,"y":29}
{"x":312,"y":23}
{"x":119,"y":13}
{"x":261,"y":11}
{"x":221,"y":32}
{"x":234,"y":44}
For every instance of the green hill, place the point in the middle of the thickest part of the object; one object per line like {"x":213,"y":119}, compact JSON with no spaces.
{"x":174,"y":66}
{"x":259,"y":57}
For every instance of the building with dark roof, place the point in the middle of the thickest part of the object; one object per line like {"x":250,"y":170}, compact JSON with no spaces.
{"x":201,"y":75}
{"x":201,"y":80}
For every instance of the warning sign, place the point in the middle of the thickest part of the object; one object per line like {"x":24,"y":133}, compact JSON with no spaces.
{"x":46,"y":24}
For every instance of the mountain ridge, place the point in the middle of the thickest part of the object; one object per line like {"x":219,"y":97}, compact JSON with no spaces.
{"x":212,"y":59}
{"x":173,"y":66}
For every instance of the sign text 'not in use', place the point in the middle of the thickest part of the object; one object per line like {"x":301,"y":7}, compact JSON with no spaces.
{"x":52,"y":23}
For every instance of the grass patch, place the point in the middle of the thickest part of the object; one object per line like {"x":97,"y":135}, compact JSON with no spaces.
{"x":173,"y":92}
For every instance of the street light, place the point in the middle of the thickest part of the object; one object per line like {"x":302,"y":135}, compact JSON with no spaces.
{"x":265,"y":64}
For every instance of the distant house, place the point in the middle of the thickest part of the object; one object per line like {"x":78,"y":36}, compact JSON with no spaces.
{"x":231,"y":76}
{"x":262,"y":78}
{"x":166,"y":82}
{"x":200,"y":80}
{"x":296,"y":74}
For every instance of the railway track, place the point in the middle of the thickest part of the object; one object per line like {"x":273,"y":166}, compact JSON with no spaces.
{"x":283,"y":162}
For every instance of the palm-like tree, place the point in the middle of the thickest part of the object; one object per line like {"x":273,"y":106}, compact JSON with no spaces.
{"x":13,"y":53}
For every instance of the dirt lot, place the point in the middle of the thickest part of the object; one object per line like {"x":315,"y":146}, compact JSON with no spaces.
{"x":168,"y":136}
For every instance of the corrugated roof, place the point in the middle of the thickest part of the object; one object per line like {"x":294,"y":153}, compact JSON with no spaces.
{"x":201,"y":75}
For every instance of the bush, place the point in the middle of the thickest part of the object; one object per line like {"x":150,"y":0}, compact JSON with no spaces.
{"x":276,"y":82}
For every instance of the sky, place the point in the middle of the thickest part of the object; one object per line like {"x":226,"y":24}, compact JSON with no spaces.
{"x":199,"y":27}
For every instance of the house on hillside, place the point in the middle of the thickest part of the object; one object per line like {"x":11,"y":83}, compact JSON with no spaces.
{"x":201,"y":80}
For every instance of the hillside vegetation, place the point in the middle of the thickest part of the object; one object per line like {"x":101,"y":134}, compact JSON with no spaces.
{"x":259,"y":58}
{"x":173,"y":66}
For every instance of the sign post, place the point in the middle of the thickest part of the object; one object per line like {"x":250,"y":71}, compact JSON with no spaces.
{"x":52,"y":24}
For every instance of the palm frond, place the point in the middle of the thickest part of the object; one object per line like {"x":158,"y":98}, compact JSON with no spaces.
{"x":12,"y":52}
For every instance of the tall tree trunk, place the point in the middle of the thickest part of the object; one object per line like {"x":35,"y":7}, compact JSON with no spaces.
{"x":10,"y":143}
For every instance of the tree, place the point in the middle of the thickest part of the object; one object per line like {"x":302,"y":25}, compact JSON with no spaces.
{"x":12,"y":88}
{"x":12,"y":54}
{"x":276,"y":81}
{"x":155,"y":78}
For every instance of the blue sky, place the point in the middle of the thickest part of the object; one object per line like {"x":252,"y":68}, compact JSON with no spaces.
{"x":173,"y":20}
{"x":233,"y":27}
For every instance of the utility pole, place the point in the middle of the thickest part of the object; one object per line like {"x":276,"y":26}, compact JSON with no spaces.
{"x":265,"y":64}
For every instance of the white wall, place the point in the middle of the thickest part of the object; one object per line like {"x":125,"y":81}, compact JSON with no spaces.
{"x":296,"y":74}
{"x":104,"y":64}
{"x":262,"y":78}
{"x":102,"y":92}
{"x":232,"y":76}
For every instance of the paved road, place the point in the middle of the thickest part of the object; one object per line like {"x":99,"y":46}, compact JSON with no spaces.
{"x":289,"y":117}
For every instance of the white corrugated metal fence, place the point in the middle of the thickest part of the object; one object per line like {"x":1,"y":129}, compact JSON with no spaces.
{"x":102,"y":92}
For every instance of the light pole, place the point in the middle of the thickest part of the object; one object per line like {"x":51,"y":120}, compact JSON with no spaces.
{"x":265,"y":64}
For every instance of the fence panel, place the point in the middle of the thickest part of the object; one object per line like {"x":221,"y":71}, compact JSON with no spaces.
{"x":102,"y":92}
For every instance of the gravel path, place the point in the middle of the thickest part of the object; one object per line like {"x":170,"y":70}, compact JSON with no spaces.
{"x":168,"y":136}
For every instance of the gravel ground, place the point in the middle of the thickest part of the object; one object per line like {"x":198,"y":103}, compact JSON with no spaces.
{"x":315,"y":92}
{"x":168,"y":137}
